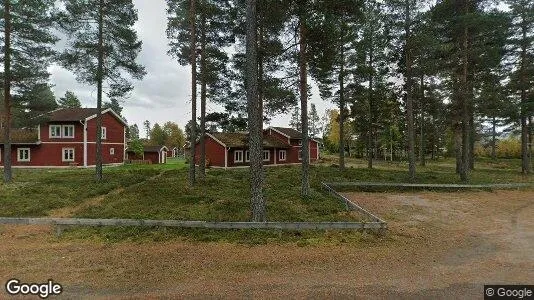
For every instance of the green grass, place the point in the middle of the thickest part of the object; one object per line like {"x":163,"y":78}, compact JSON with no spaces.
{"x":223,"y":196}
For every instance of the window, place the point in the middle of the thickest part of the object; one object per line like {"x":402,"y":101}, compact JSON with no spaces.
{"x":238,"y":156}
{"x":247,"y":156}
{"x":55,"y":131}
{"x":300,"y":154}
{"x":68,"y":154}
{"x":23,"y":154}
{"x":266,"y":155}
{"x":111,"y":151}
{"x":68,"y":131}
{"x":104,"y":133}
{"x":282,"y":155}
{"x":300,"y":142}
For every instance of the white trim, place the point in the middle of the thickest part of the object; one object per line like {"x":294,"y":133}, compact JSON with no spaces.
{"x":226,"y":157}
{"x":285,"y":154}
{"x":68,"y":136}
{"x":268,"y":155}
{"x":299,"y":155}
{"x":50,"y":131}
{"x":39,"y":132}
{"x":84,"y":143}
{"x":242,"y":156}
{"x":63,"y":154}
{"x":110,"y":111}
{"x":104,"y":133}
{"x":111,"y":151}
{"x":215,"y":139}
{"x":18,"y":155}
{"x":287,"y":136}
{"x":68,"y":142}
{"x":247,"y":156}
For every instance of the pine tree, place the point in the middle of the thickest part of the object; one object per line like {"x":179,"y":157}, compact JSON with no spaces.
{"x":158,"y":136}
{"x":26,"y":54}
{"x":295,"y":121}
{"x":315,"y":122}
{"x":31,"y":106}
{"x":147,"y":128}
{"x":70,"y":100}
{"x":521,"y":41}
{"x":133,"y":132}
{"x":102,"y":48}
{"x":115,"y":105}
{"x":255,"y":115}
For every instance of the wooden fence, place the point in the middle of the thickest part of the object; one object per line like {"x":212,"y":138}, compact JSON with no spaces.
{"x":62,"y":222}
{"x":428,"y":185}
{"x":353,"y":206}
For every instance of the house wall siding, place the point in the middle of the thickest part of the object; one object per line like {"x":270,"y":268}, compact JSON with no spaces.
{"x":50,"y":151}
{"x":214,"y":153}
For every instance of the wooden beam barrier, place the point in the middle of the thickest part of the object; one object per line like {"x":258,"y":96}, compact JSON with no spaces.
{"x":62,"y":222}
{"x":353,"y":206}
{"x":430,"y":185}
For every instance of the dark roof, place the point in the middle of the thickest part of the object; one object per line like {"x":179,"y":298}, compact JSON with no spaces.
{"x":21,"y":136}
{"x":240,"y":140}
{"x":152,"y":148}
{"x":70,"y":114}
{"x":292,"y":133}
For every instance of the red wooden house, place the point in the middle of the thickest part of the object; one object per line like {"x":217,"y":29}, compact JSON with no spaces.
{"x":281,"y":146}
{"x":153,"y":154}
{"x":67,"y":137}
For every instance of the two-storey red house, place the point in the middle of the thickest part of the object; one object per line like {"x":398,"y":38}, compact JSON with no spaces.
{"x":66,"y":138}
{"x":281,"y":146}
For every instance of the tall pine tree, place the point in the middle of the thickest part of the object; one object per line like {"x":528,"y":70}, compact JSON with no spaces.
{"x":102,"y":48}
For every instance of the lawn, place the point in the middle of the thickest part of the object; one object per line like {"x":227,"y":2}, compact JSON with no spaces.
{"x":225,"y":193}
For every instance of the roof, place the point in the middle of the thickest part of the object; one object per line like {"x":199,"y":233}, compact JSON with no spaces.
{"x":240,"y":140}
{"x":289,"y":132}
{"x":71,"y":114}
{"x":78,"y":114}
{"x":153,"y":148}
{"x":22,"y":136}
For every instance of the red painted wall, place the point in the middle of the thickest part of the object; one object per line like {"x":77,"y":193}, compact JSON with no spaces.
{"x":152,"y":156}
{"x":50,"y":151}
{"x":214,"y":153}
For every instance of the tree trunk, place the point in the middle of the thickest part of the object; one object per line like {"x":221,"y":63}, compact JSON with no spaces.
{"x":202,"y":141}
{"x":342,"y":106}
{"x":531,"y":140}
{"x":255,"y":117}
{"x":422,"y":133}
{"x":409,"y":101}
{"x":493,"y":138}
{"x":525,"y":163}
{"x":457,"y":127}
{"x":370,"y":136}
{"x":193,"y":58}
{"x":8,"y":176}
{"x":100,"y":78}
{"x":464,"y":170}
{"x":303,"y":64}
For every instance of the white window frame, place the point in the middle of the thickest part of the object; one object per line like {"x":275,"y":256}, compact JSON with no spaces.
{"x":247,"y":156}
{"x":104,"y":133}
{"x":300,"y":154}
{"x":111,"y":151}
{"x":63,"y":159}
{"x":19,"y":158}
{"x":50,"y":130}
{"x":280,"y":155}
{"x":63,"y":135}
{"x":300,"y":142}
{"x":240,"y":152}
{"x":268,"y":155}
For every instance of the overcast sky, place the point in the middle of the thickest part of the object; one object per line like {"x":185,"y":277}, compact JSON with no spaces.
{"x":165,"y":92}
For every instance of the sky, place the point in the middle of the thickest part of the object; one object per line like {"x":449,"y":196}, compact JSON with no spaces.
{"x":164,"y":94}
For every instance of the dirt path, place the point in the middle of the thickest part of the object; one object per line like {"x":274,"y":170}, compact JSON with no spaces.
{"x":440,"y":245}
{"x":70,"y":211}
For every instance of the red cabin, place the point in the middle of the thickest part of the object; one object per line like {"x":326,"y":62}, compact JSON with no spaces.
{"x":66,"y":138}
{"x":281,"y":146}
